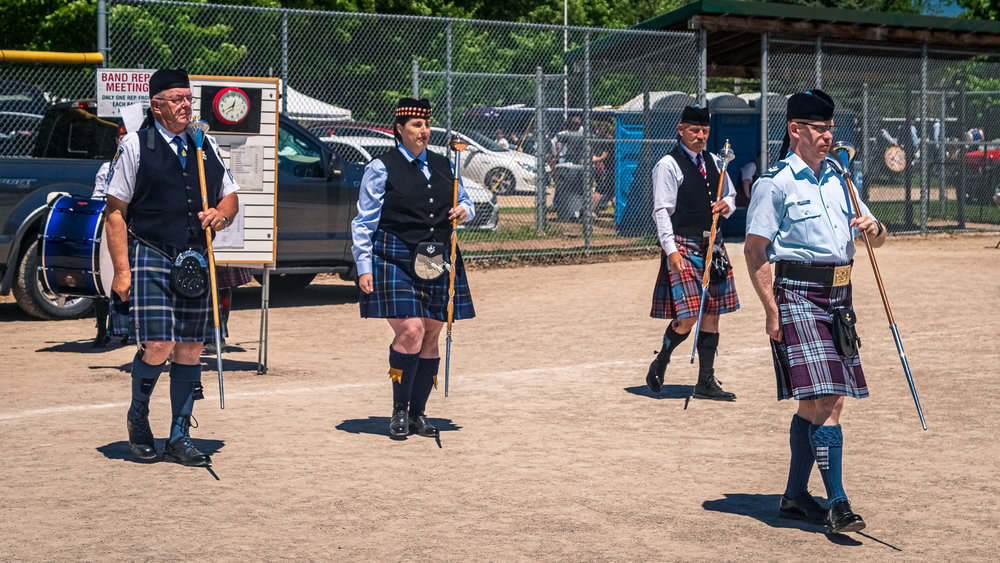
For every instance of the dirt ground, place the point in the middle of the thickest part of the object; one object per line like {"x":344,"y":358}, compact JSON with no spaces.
{"x":551,"y":447}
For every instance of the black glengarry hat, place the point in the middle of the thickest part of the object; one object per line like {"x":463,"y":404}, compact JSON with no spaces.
{"x":166,"y":79}
{"x":812,"y":105}
{"x":412,"y":107}
{"x":695,"y":115}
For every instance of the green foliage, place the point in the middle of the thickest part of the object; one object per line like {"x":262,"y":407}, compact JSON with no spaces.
{"x":980,"y":9}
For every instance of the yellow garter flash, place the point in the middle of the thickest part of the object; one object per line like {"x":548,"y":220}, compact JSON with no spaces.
{"x":435,"y":382}
{"x":396,"y":375}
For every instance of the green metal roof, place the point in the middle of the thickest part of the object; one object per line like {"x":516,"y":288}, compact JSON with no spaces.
{"x":678,"y":18}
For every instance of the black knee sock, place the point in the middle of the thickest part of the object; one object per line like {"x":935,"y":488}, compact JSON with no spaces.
{"x":183,"y":380}
{"x":708,"y":344}
{"x":402,"y":371}
{"x":423,"y":382}
{"x":671,"y":340}
{"x":144,"y":378}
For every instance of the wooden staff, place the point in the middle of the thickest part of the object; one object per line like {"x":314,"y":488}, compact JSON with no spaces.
{"x":198,"y":129}
{"x":458,"y":145}
{"x":727,"y":154}
{"x":844,"y":152}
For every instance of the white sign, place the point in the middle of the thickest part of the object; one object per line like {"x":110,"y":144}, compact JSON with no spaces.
{"x":120,"y":87}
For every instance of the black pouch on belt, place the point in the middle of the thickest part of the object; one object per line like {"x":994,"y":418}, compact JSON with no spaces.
{"x":428,"y":260}
{"x":845,"y":336}
{"x":189,"y":275}
{"x":720,"y":266}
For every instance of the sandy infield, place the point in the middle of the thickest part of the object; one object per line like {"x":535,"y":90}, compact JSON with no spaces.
{"x":552,"y":447}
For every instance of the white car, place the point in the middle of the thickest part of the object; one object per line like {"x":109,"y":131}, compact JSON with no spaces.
{"x":361,"y":150}
{"x":502,"y":171}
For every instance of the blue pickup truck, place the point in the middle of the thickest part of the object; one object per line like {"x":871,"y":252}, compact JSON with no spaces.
{"x":317,"y":197}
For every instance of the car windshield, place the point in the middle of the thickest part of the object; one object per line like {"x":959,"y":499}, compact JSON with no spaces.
{"x":487,"y":143}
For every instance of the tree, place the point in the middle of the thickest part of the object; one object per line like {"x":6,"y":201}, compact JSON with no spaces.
{"x":980,"y":9}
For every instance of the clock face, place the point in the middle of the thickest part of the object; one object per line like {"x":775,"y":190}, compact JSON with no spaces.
{"x":231,"y":105}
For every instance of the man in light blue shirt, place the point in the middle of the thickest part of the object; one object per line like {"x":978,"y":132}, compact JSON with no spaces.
{"x":801,"y":220}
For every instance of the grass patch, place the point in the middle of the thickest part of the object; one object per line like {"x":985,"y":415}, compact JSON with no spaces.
{"x":893,"y":212}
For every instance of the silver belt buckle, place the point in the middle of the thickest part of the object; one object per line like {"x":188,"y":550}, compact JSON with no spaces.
{"x":841,"y":275}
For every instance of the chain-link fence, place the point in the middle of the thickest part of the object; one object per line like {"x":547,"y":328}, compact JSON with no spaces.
{"x":27,"y":91}
{"x":921,"y":120}
{"x":565,"y":124}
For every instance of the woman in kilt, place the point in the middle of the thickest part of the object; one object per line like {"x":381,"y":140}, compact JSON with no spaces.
{"x":401,"y":241}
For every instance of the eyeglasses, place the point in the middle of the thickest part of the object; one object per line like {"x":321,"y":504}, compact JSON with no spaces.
{"x":176,"y":101}
{"x":820,"y":128}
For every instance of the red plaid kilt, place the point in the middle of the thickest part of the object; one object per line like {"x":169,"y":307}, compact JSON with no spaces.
{"x":678,"y":295}
{"x":228,"y":276}
{"x":806,"y":362}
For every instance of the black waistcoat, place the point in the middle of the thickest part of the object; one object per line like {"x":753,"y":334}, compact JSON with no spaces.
{"x":695,"y":194}
{"x":167,"y":199}
{"x":415,"y":209}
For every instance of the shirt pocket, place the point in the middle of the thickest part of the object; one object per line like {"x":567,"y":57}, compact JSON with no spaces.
{"x":802,"y":210}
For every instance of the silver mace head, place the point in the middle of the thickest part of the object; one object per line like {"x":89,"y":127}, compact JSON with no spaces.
{"x":843,"y":153}
{"x":727,"y":152}
{"x":198,"y":128}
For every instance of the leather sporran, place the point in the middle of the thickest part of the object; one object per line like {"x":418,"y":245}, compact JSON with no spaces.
{"x":189,"y":275}
{"x":845,"y":335}
{"x":720,"y":266}
{"x":428,"y":260}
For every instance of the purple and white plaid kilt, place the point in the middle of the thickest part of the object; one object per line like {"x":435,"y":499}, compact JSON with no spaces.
{"x":398,"y":294}
{"x":156,"y":312}
{"x":678,"y":295}
{"x":806,"y":363}
{"x":230,"y":276}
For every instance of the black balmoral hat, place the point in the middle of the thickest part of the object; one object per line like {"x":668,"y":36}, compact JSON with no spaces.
{"x":695,"y":115}
{"x":166,"y":79}
{"x":412,"y":107}
{"x":812,"y":105}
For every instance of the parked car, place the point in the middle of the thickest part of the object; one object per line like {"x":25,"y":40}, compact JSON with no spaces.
{"x":361,"y":150}
{"x":21,"y":109}
{"x":351,"y":130}
{"x":983,"y":167}
{"x":501,"y":170}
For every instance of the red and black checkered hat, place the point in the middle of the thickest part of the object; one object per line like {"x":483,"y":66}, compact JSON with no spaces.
{"x":412,"y":107}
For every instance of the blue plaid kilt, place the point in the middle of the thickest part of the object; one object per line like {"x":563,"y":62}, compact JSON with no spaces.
{"x":398,"y":294}
{"x":157,"y":314}
{"x":806,"y":362}
{"x":678,"y":295}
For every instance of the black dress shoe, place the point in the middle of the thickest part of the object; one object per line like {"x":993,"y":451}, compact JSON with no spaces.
{"x":183,"y":451}
{"x":802,"y":507}
{"x":654,"y":377}
{"x":842,"y":519}
{"x":399,"y":424}
{"x":100,"y":341}
{"x":420,"y":426}
{"x":708,"y":388}
{"x":140,"y":438}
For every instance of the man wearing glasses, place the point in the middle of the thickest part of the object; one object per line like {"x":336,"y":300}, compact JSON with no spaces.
{"x":154,"y":202}
{"x":800,"y":220}
{"x":685,"y":186}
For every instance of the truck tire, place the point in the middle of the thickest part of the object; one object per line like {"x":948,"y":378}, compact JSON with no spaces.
{"x":288,"y":282}
{"x":33,"y":297}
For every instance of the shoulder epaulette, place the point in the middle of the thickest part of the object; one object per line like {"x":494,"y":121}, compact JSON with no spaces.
{"x":773,"y":171}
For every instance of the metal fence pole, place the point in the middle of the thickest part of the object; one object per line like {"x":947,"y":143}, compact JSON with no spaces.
{"x":924,"y":185}
{"x":284,"y":61}
{"x":415,"y":78}
{"x":702,"y":66}
{"x":765,"y":153}
{"x":865,"y":143}
{"x":541,"y":145}
{"x":448,"y":98}
{"x":943,"y":152}
{"x":588,"y":162}
{"x":102,"y":31}
{"x":963,"y":127}
{"x":819,"y":62}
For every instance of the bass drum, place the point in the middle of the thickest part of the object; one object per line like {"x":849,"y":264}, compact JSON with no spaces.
{"x":75,"y":256}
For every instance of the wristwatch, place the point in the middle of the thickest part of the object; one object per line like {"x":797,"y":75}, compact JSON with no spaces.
{"x":226,"y":221}
{"x":878,"y":233}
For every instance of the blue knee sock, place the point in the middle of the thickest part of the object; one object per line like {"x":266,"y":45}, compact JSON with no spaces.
{"x":802,"y":459}
{"x":829,"y":443}
{"x":423,"y":382}
{"x":402,"y":370}
{"x":144,"y":378}
{"x":183,"y":379}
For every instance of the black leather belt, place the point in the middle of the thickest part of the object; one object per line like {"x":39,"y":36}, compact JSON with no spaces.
{"x":829,"y":275}
{"x":691,"y":232}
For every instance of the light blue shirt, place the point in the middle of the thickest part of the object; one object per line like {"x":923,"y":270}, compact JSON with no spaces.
{"x":804,"y":218}
{"x":370,"y":206}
